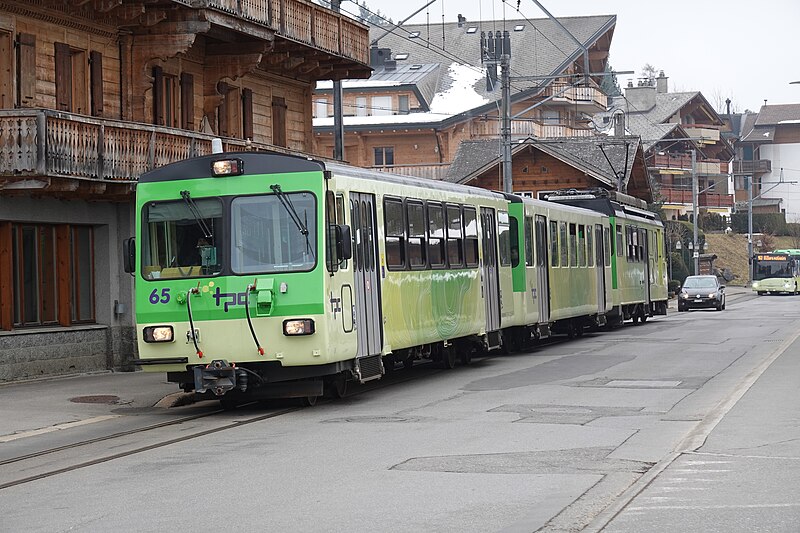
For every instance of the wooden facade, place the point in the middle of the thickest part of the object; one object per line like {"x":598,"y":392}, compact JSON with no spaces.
{"x":95,"y":92}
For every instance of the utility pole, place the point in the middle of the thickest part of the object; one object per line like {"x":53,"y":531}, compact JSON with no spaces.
{"x":750,"y":225}
{"x":505,"y":131}
{"x":695,"y":195}
{"x":338,"y":122}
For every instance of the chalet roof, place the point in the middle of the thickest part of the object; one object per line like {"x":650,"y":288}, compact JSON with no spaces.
{"x":751,"y":133}
{"x":773,"y":115}
{"x":541,"y":48}
{"x":423,"y":78}
{"x":587,"y":154}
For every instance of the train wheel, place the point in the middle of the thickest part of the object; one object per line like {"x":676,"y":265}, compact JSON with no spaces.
{"x":448,"y":357}
{"x":408,"y":363}
{"x":336,"y":388}
{"x":309,"y":401}
{"x":466,"y":355}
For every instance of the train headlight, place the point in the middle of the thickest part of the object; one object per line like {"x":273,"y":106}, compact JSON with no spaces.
{"x":227,"y":167}
{"x":158,"y":334}
{"x":303,"y":326}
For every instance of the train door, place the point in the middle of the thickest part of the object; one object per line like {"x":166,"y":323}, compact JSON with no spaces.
{"x":365,"y":272}
{"x":600,"y":265}
{"x":542,"y":269}
{"x":491,"y":287}
{"x":644,"y":239}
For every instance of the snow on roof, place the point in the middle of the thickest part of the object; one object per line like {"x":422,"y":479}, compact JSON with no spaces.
{"x":357,"y":84}
{"x":459,"y":97}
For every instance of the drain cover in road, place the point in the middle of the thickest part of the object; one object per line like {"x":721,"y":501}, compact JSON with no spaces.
{"x":642,"y":383}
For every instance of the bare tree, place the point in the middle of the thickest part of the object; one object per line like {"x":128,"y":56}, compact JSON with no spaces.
{"x":719,"y":100}
{"x":649,"y":72}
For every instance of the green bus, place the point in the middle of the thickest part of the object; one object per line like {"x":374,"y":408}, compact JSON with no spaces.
{"x":776,"y":272}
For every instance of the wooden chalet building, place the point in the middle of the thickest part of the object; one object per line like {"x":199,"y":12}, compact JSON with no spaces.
{"x":95,"y":92}
{"x":671,"y":124}
{"x":429,"y":93}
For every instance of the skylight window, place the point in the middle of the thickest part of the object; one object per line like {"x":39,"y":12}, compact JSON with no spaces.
{"x":415,"y":67}
{"x":472,"y":29}
{"x":400,"y":57}
{"x":413,"y":35}
{"x":519,"y":27}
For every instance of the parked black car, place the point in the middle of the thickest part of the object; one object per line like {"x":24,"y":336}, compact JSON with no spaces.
{"x":701,"y":291}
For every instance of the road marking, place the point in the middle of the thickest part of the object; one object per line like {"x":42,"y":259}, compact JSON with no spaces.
{"x":57,"y":427}
{"x":704,"y":507}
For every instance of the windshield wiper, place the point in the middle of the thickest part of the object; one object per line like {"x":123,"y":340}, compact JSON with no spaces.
{"x":286,"y":202}
{"x":195,"y":211}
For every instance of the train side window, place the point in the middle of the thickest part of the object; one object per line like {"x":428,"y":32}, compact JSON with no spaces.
{"x":589,"y":246}
{"x":619,"y":242}
{"x":455,"y":237}
{"x":562,"y":239}
{"x":436,"y":241}
{"x":528,"y":241}
{"x":503,"y":238}
{"x":340,"y":219}
{"x":395,"y":235}
{"x":513,"y":236}
{"x":331,"y":260}
{"x":573,"y":246}
{"x":554,"y":243}
{"x":581,"y":245}
{"x":415,"y":218}
{"x":607,"y":243}
{"x":470,"y":237}
{"x":642,"y":243}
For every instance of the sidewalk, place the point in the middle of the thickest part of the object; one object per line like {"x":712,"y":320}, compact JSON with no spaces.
{"x":32,"y":405}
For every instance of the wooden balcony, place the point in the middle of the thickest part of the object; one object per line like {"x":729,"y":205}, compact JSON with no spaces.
{"x":593,"y":98}
{"x":433,"y":171}
{"x":745,"y":168}
{"x":706,"y":134}
{"x":706,"y":199}
{"x":684,"y":162}
{"x":300,"y":21}
{"x":528,"y":128}
{"x":45,"y":144}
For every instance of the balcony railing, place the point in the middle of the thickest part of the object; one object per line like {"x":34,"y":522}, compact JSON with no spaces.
{"x":706,"y":199}
{"x":436,"y":171}
{"x":684,"y":162}
{"x":577,"y":95}
{"x":759,"y":166}
{"x":529,"y":128}
{"x":302,"y":21}
{"x":708,"y":134}
{"x":51,"y":143}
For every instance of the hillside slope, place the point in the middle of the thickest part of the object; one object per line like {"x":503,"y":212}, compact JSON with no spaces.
{"x":731,"y":253}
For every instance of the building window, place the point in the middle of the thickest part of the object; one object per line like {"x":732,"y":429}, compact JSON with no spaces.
{"x":6,"y":70}
{"x":229,"y":112}
{"x":384,"y":156}
{"x":166,"y":111}
{"x":70,"y":74}
{"x":321,"y":108}
{"x":382,"y":106}
{"x":51,"y":274}
{"x":278,"y":121}
{"x":402,"y":104}
{"x":551,"y":116}
{"x":361,"y":106}
{"x":26,"y":69}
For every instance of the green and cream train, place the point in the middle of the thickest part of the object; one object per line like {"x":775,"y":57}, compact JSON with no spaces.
{"x":264,"y":275}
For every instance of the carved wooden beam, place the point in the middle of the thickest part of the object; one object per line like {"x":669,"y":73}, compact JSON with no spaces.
{"x":104,"y":6}
{"x":235,"y":49}
{"x":224,"y":67}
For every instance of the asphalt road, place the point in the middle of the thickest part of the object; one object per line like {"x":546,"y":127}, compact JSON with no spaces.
{"x":688,"y":422}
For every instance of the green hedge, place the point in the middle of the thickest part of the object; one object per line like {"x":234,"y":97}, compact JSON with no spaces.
{"x":772,"y":223}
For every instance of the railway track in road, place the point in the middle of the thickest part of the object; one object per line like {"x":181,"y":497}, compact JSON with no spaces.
{"x":42,"y":464}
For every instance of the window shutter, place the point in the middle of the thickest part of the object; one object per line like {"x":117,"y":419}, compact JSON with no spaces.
{"x":247,"y":113}
{"x":278,"y":121}
{"x":187,"y":101}
{"x":63,"y":77}
{"x":96,"y":77}
{"x":26,"y":69}
{"x":222,"y":110}
{"x":158,"y":96}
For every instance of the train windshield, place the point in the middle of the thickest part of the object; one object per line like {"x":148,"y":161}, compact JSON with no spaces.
{"x":274,"y":233}
{"x":773,"y":267}
{"x":182,"y":238}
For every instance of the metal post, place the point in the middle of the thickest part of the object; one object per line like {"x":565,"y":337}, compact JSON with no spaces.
{"x":750,"y":226}
{"x":669,"y":253}
{"x":338,"y":125}
{"x":696,"y":251}
{"x":505,"y":129}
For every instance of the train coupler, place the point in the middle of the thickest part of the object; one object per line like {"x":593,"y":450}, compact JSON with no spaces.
{"x":219,"y":377}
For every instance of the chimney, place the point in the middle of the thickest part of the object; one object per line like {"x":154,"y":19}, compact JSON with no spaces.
{"x":461,"y":20}
{"x":661,"y":83}
{"x":619,"y":124}
{"x":641,"y":98}
{"x":378,"y":56}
